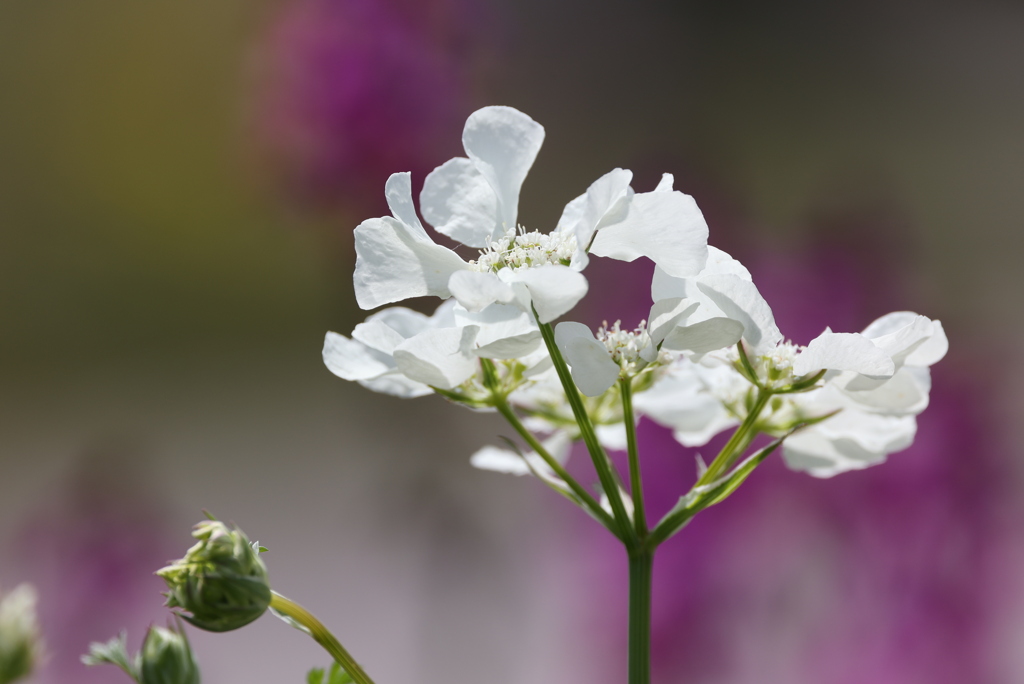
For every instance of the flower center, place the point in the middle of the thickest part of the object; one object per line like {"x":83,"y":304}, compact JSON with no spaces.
{"x":518,"y":249}
{"x":774,"y":369}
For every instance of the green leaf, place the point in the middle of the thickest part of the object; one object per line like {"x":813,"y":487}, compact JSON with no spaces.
{"x":114,"y":652}
{"x":336,"y":675}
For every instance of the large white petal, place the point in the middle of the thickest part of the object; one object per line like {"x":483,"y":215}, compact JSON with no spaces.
{"x":378,"y":335}
{"x":665,"y":227}
{"x":398,"y":191}
{"x":664,"y":286}
{"x":393,"y":264}
{"x":508,"y":461}
{"x":553,"y":290}
{"x":352,"y":360}
{"x":506,"y":331}
{"x":476,"y":291}
{"x":605,"y":203}
{"x":850,"y":440}
{"x":397,"y":385}
{"x":705,"y":336}
{"x":739,"y":299}
{"x":909,"y":337}
{"x":680,"y":401}
{"x":843,"y":352}
{"x":503,"y":142}
{"x":439,"y":358}
{"x":932,"y":350}
{"x":592,"y":367}
{"x":666,"y":314}
{"x":906,"y":393}
{"x":459,"y":202}
{"x":405,"y":322}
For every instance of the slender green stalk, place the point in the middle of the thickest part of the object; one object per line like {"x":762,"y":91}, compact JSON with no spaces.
{"x":605,"y":472}
{"x":739,"y":441}
{"x":589,"y":501}
{"x":635,"y":482}
{"x":641,"y":563}
{"x":321,"y":634}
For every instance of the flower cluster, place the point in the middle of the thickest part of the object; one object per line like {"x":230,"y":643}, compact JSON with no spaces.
{"x":708,"y":357}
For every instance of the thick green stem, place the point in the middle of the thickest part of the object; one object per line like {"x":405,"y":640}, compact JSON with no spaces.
{"x":641,"y":562}
{"x":635,"y":482}
{"x":605,"y":472}
{"x":589,"y":501}
{"x":321,"y":634}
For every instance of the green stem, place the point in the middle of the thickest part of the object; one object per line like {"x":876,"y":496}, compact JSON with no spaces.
{"x":605,"y":472}
{"x":589,"y":501}
{"x":321,"y":634}
{"x":641,"y":562}
{"x":635,"y":483}
{"x":739,"y":441}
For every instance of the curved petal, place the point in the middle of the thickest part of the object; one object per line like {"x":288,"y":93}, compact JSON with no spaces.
{"x":439,"y":358}
{"x":905,"y":394}
{"x":932,"y":350}
{"x":604,"y":203}
{"x":664,"y":286}
{"x":843,"y":352}
{"x":553,"y":289}
{"x":666,"y":314}
{"x":739,"y":299}
{"x":398,"y":191}
{"x":665,"y":227}
{"x":405,"y":322}
{"x":506,"y":331}
{"x":392,"y":264}
{"x":352,"y":360}
{"x":850,"y":440}
{"x":476,"y":291}
{"x":397,"y":385}
{"x":681,"y":402}
{"x":705,"y":336}
{"x":592,"y":367}
{"x":503,"y":143}
{"x":460,"y":203}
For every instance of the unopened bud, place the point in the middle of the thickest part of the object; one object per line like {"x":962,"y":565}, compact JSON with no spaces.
{"x":167,"y":658}
{"x":221,"y":580}
{"x":20,"y":642}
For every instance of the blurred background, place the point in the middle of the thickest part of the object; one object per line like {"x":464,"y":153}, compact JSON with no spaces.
{"x":179,"y":181}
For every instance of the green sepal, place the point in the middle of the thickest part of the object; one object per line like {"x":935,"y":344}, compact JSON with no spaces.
{"x":336,"y":675}
{"x":114,"y":652}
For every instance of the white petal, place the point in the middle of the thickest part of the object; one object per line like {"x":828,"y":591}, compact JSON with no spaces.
{"x":739,"y":299}
{"x":612,"y":436}
{"x":439,"y":358}
{"x":667,"y":314}
{"x":460,"y":203}
{"x":378,"y":335}
{"x":665,"y":184}
{"x":665,"y":227}
{"x":592,"y":367}
{"x":705,"y":336}
{"x":503,"y":142}
{"x":553,"y":289}
{"x":906,"y":393}
{"x":932,"y":350}
{"x":680,"y":401}
{"x":393,"y":264}
{"x":506,"y":331}
{"x":398,"y":191}
{"x":508,"y":461}
{"x":396,"y":384}
{"x":352,"y":360}
{"x":405,"y":322}
{"x":664,"y":286}
{"x":843,"y":352}
{"x":476,"y":291}
{"x":850,"y":440}
{"x":605,"y":203}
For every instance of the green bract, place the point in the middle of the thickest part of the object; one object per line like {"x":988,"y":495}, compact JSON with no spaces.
{"x":221,"y":580}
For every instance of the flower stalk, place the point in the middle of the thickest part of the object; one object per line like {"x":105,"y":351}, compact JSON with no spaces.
{"x":308,"y":623}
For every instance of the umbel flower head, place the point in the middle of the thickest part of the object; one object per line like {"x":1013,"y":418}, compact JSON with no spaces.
{"x":20,"y":642}
{"x":221,"y":580}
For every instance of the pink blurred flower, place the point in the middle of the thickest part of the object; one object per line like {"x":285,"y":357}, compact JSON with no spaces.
{"x":354,"y":89}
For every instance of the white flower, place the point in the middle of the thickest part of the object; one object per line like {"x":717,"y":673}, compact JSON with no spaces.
{"x":558,"y":445}
{"x":474,"y":200}
{"x":402,"y":352}
{"x":877,"y":380}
